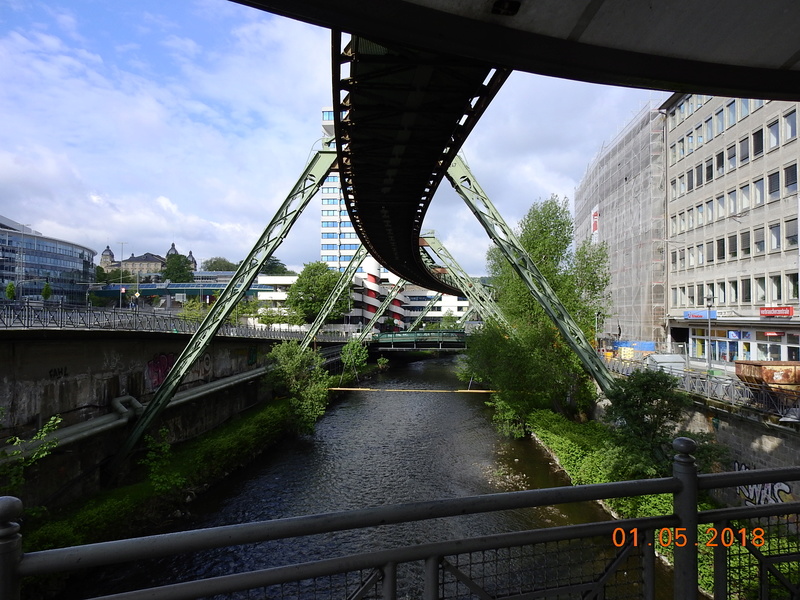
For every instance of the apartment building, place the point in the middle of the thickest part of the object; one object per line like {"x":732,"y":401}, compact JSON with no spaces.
{"x":731,"y":220}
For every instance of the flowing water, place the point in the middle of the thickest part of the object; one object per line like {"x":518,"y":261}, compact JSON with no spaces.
{"x":372,"y":449}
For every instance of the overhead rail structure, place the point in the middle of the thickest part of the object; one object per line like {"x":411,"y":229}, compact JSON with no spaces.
{"x":381,"y":309}
{"x":345,"y":280}
{"x":504,"y":238}
{"x":478,"y":295}
{"x":308,"y":184}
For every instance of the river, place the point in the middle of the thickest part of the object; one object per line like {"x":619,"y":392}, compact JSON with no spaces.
{"x":375,"y":448}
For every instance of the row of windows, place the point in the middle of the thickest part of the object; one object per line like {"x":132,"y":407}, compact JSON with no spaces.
{"x":331,"y":190}
{"x":737,"y":200}
{"x":747,"y":290}
{"x":336,"y":258}
{"x":734,"y":155}
{"x":340,"y":247}
{"x":332,"y":179}
{"x":734,"y":110}
{"x":348,"y":235}
{"x":773,"y":238}
{"x":336,"y":224}
{"x":333,"y":201}
{"x":334,"y":213}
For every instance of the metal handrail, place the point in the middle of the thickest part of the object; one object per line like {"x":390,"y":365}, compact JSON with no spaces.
{"x":684,"y":485}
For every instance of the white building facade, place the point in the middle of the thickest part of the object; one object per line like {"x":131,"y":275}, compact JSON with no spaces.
{"x":731,"y":219}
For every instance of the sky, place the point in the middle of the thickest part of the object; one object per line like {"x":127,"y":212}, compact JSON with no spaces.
{"x":138,"y":124}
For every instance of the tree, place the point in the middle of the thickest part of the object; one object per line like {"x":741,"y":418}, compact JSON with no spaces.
{"x":273,"y":266}
{"x":534,"y":367}
{"x":354,"y":356}
{"x":47,"y":291}
{"x":300,"y":371}
{"x":312,"y":288}
{"x":218,"y":263}
{"x":11,"y":291}
{"x":178,"y":269}
{"x":113,"y":276}
{"x":193,"y":310}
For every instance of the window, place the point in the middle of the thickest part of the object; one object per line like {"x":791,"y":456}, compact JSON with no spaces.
{"x":720,"y":164}
{"x":689,"y":143}
{"x":721,"y":249}
{"x":790,"y":125}
{"x":758,"y":192}
{"x":773,"y":135}
{"x":699,"y":210}
{"x":674,"y":260}
{"x":745,"y":286}
{"x":329,"y":213}
{"x":709,"y":130}
{"x":700,"y":296}
{"x":681,"y":185}
{"x":709,"y":169}
{"x":709,"y":211}
{"x":731,"y":113}
{"x":673,"y":154}
{"x":744,"y":242}
{"x":330,"y":201}
{"x":733,"y":286}
{"x":346,"y":224}
{"x":790,"y":233}
{"x":744,"y":150}
{"x":681,"y":259}
{"x":673,"y":189}
{"x":732,"y":158}
{"x":710,"y":252}
{"x":682,"y":222}
{"x":690,"y":254}
{"x":673,"y":225}
{"x":744,"y":196}
{"x":331,"y":179}
{"x":349,"y":247}
{"x":698,"y":135}
{"x":689,"y":180}
{"x":758,"y":240}
{"x":698,"y":175}
{"x":774,"y":186}
{"x":342,"y":213}
{"x":775,"y":236}
{"x":775,"y":289}
{"x":700,"y":255}
{"x":328,"y":246}
{"x":721,"y":293}
{"x":327,"y":236}
{"x":690,"y":218}
{"x":758,"y":142}
{"x":690,"y":294}
{"x":744,"y":108}
{"x":732,"y":208}
{"x":791,"y":286}
{"x":681,"y":148}
{"x":761,"y":289}
{"x":720,"y":207}
{"x":790,"y":179}
{"x":719,"y":122}
{"x":330,"y":224}
{"x":329,"y":258}
{"x":348,"y":236}
{"x":732,"y":246}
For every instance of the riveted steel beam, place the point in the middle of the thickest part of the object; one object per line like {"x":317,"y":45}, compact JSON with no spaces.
{"x":277,"y":230}
{"x":425,"y":311}
{"x":381,"y":309}
{"x":462,"y":179}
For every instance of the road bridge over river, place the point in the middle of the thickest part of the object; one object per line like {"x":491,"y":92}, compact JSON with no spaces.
{"x":409,"y":86}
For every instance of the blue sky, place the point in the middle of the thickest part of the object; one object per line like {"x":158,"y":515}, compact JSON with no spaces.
{"x":188,"y":121}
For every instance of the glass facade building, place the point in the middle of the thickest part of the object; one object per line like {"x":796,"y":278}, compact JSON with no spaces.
{"x":29,"y":260}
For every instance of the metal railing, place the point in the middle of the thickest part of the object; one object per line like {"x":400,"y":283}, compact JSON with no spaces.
{"x":756,"y":548}
{"x":785,"y":404}
{"x":42,"y":316}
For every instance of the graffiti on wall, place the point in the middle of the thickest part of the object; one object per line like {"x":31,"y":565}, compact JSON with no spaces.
{"x":159,"y":366}
{"x":763,"y":493}
{"x":58,"y":372}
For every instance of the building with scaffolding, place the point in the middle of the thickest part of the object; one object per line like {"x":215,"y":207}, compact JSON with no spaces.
{"x":620,"y":202}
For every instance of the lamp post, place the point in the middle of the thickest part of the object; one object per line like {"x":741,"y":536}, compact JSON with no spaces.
{"x":121,"y":257}
{"x":709,"y":304}
{"x":596,"y":341}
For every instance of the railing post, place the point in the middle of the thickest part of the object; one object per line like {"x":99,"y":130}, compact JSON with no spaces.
{"x":684,"y":470}
{"x":389,"y":583}
{"x":431,"y":591}
{"x":10,"y":547}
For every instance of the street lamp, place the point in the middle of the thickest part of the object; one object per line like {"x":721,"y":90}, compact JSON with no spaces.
{"x":121,"y":256}
{"x":709,"y":304}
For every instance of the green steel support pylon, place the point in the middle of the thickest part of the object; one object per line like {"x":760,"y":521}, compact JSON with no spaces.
{"x":478,"y":295}
{"x":273,"y":235}
{"x":345,"y":279}
{"x":425,"y":311}
{"x":465,"y":317}
{"x":501,"y":234}
{"x":381,"y":309}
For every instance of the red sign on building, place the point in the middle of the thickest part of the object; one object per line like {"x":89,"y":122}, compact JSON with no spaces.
{"x":776,"y":311}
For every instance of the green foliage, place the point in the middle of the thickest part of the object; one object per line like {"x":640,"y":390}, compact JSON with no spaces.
{"x":193,"y":310}
{"x":300,"y":371}
{"x":11,"y":291}
{"x":164,"y":479}
{"x":113,"y":276}
{"x":178,"y":269}
{"x":354,"y":356}
{"x":218,"y":263}
{"x":312,"y":288}
{"x":273,"y":266}
{"x":243,"y":309}
{"x":14,"y":461}
{"x":535,"y":367}
{"x":383,"y":363}
{"x":645,"y":409}
{"x":448,"y":322}
{"x":47,"y":291}
{"x":280,"y":316}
